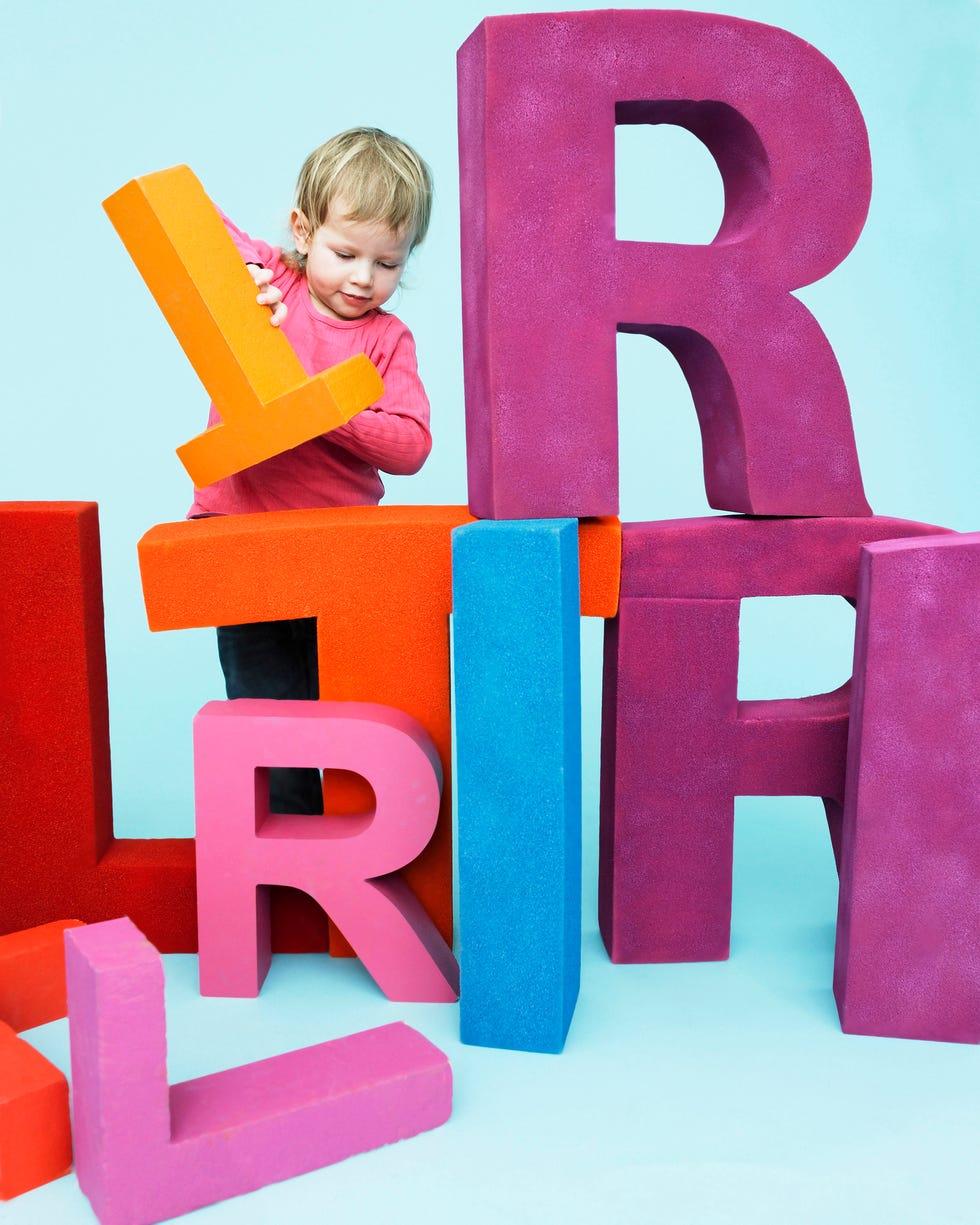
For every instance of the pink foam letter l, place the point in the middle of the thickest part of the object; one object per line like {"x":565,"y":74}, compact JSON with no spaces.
{"x":546,"y":285}
{"x":146,"y":1151}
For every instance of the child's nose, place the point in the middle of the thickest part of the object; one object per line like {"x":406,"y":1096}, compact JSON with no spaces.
{"x":362,"y":273}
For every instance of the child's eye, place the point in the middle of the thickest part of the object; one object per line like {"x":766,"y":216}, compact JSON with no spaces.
{"x":389,"y":267}
{"x":343,"y":255}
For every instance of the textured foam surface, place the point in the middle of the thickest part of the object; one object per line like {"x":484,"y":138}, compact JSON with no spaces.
{"x":35,"y":1129}
{"x":540,"y":368}
{"x":146,"y":1151}
{"x":32,"y":975}
{"x":600,"y":560}
{"x":908,"y":935}
{"x":58,"y":852}
{"x":266,"y":401}
{"x":347,"y":864}
{"x":678,"y":745}
{"x":518,"y":758}
{"x":734,"y":556}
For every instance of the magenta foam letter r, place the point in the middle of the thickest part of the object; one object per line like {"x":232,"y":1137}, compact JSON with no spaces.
{"x":546,"y":284}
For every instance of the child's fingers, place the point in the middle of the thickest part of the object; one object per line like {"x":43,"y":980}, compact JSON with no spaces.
{"x":270,"y":295}
{"x":278,"y":310}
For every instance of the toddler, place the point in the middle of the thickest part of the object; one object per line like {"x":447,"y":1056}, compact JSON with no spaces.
{"x":363,"y":201}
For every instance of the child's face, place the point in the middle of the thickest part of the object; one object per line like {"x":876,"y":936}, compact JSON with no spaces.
{"x":352,"y":267}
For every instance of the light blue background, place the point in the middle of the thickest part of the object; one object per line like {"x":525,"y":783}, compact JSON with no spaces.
{"x":715,"y":1093}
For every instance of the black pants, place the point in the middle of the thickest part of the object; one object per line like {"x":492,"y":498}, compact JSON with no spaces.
{"x":276,"y":659}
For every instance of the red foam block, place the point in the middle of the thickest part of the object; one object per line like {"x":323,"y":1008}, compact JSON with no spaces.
{"x":35,"y":1130}
{"x":57,"y":850}
{"x":32,"y":975}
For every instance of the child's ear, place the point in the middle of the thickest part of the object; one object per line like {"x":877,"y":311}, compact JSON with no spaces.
{"x":302,"y":231}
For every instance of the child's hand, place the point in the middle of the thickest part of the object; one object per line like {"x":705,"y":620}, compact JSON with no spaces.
{"x":270,"y":295}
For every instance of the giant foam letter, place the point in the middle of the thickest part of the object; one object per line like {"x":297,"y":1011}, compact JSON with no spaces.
{"x":35,"y":1129}
{"x":539,"y":97}
{"x":32,"y":974}
{"x":516,"y":608}
{"x":678,"y":745}
{"x":266,"y":401}
{"x":348,"y":864}
{"x":57,"y":851}
{"x":146,"y":1151}
{"x":908,"y":933}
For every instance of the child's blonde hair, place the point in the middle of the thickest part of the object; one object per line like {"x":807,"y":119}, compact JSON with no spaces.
{"x":379,"y":177}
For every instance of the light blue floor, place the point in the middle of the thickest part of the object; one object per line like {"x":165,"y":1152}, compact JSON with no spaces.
{"x":688,"y":1095}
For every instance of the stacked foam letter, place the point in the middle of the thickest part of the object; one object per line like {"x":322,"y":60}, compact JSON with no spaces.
{"x":890,"y":754}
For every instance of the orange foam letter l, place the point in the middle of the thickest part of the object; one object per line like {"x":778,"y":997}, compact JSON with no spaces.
{"x":266,"y":401}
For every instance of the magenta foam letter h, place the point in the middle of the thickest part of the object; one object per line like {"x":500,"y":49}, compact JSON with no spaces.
{"x":678,"y":745}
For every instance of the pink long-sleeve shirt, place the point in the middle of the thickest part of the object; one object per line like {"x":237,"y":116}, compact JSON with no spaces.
{"x":339,"y":468}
